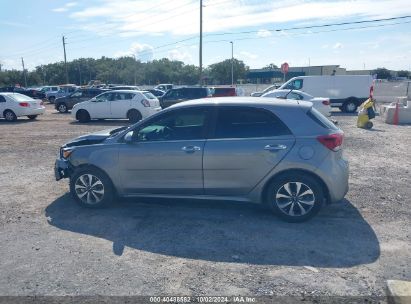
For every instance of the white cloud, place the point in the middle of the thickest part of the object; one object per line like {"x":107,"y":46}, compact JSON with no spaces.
{"x":179,"y":55}
{"x":143,"y":52}
{"x":263,"y":33}
{"x":64,"y":8}
{"x":181,"y":17}
{"x":248,"y":55}
{"x":338,"y":45}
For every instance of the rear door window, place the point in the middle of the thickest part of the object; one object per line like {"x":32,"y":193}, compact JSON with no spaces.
{"x":248,"y":122}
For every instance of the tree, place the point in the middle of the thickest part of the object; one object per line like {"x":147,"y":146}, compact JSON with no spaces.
{"x":271,"y":66}
{"x":382,"y":73}
{"x":403,"y":73}
{"x":220,"y":73}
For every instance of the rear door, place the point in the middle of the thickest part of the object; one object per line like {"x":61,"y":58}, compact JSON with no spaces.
{"x":247,"y":144}
{"x":120,"y":104}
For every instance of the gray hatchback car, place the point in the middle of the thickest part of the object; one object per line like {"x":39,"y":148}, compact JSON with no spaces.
{"x":280,"y":153}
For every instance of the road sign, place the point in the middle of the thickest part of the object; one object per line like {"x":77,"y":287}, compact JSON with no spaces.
{"x":284,"y":68}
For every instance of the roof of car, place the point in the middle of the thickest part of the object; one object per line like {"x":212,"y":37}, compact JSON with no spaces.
{"x":246,"y":101}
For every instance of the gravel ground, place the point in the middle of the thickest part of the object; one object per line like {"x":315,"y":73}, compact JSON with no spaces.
{"x":50,"y":246}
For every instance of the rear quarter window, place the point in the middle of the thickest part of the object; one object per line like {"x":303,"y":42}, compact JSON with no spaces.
{"x":321,"y":119}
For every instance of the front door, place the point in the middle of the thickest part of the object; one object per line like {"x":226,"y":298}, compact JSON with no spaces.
{"x":100,"y":106}
{"x":247,"y":144}
{"x":165,"y":155}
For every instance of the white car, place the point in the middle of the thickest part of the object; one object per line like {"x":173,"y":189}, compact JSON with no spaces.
{"x":13,"y":105}
{"x":130,"y":104}
{"x":319,"y":103}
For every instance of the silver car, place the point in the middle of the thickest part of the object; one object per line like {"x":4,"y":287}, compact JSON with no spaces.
{"x":284,"y":154}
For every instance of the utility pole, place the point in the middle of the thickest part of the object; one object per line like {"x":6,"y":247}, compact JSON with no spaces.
{"x":201,"y":42}
{"x":232,"y":63}
{"x":24,"y":73}
{"x":65,"y":59}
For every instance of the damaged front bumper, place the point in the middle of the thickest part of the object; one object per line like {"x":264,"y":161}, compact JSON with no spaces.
{"x":61,"y":169}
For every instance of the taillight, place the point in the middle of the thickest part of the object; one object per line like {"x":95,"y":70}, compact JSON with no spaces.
{"x":332,"y":141}
{"x":24,"y":104}
{"x":145,"y":103}
{"x":326,"y":102}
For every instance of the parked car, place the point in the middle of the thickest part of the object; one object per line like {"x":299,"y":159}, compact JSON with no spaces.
{"x":130,"y":104}
{"x":164,"y":87}
{"x":62,"y":92}
{"x":344,"y":91}
{"x":284,"y":154}
{"x":64,"y":104}
{"x":33,"y":93}
{"x":320,"y":103}
{"x":266,"y":90}
{"x":13,"y":105}
{"x":47,"y":89}
{"x":155,"y":92}
{"x":223,"y":91}
{"x":174,"y":96}
{"x":120,"y":87}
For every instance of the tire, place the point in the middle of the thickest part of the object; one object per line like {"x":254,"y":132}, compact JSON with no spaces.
{"x":369,"y":125}
{"x":9,"y":116}
{"x":91,"y":188}
{"x":350,"y":106}
{"x":134,"y":116}
{"x":83,"y":116}
{"x":62,"y":108}
{"x":51,"y":99}
{"x":32,"y":117}
{"x":283,"y":199}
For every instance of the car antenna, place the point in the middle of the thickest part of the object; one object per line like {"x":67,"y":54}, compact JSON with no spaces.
{"x":286,"y":95}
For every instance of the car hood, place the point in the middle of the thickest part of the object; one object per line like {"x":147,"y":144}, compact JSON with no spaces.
{"x":93,"y":138}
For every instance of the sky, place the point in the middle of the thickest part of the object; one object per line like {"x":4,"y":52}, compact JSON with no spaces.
{"x":259,"y":29}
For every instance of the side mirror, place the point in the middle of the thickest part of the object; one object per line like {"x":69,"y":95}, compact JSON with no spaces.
{"x":128,"y":138}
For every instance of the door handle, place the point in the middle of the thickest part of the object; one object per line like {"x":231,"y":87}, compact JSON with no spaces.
{"x":275,"y":147}
{"x":190,"y":149}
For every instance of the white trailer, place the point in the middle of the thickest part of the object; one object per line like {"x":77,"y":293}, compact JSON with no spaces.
{"x":344,"y":91}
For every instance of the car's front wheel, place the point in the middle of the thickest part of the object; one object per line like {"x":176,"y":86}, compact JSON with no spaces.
{"x":91,"y":188}
{"x":62,"y":108}
{"x":295,"y":197}
{"x":83,"y":116}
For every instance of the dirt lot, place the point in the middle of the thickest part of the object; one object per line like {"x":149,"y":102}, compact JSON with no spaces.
{"x":50,"y":246}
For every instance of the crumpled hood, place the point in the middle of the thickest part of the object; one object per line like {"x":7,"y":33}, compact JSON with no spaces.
{"x":93,"y":138}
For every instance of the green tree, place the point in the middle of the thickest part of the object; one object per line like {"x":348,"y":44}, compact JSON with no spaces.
{"x":403,"y":73}
{"x":382,"y":73}
{"x":220,"y":73}
{"x":270,"y":66}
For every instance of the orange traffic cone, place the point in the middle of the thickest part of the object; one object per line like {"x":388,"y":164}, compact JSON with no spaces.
{"x":396,"y":114}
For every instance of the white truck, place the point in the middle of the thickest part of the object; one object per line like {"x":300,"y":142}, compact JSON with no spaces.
{"x":344,"y":91}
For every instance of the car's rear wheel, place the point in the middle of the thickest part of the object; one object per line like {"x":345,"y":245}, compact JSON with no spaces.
{"x":62,"y":108}
{"x":295,"y":197}
{"x":91,"y":188}
{"x":350,"y":106}
{"x":9,"y":115}
{"x":83,"y":116}
{"x":134,"y":116}
{"x":32,"y":117}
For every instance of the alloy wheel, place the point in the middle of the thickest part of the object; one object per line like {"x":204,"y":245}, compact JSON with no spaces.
{"x":89,"y":189}
{"x":295,"y":198}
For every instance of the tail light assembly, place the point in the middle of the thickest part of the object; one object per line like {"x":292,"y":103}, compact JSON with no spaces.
{"x":332,"y":141}
{"x":24,"y":104}
{"x":145,"y":103}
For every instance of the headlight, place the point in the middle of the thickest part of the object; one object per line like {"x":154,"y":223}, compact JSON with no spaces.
{"x":67,"y":152}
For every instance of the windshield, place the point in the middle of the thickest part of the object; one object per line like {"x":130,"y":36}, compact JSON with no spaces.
{"x":20,"y":97}
{"x":149,"y":95}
